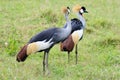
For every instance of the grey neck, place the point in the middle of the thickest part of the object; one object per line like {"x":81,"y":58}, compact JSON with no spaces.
{"x":68,"y":22}
{"x":66,"y":17}
{"x":82,"y":19}
{"x":65,"y":31}
{"x":68,"y":28}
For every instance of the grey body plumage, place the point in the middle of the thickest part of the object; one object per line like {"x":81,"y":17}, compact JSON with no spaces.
{"x":55,"y":34}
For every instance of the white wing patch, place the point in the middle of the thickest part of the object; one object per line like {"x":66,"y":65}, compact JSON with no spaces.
{"x":76,"y":35}
{"x":37,"y":46}
{"x":80,"y":32}
{"x":43,"y":44}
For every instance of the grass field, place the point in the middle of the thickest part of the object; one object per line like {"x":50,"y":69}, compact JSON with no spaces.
{"x":99,"y":50}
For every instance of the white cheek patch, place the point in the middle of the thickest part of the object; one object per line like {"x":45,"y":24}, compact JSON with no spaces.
{"x":81,"y":10}
{"x":68,"y":10}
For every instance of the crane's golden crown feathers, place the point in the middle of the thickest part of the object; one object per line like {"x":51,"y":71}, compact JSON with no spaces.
{"x":64,"y":9}
{"x":76,"y":8}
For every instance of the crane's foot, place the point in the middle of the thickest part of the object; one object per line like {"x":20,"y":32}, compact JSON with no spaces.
{"x":46,"y":73}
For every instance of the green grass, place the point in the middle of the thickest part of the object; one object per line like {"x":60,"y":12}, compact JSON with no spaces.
{"x":99,"y":51}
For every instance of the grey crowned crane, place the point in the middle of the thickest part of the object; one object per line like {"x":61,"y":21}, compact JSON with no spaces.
{"x":78,"y":26}
{"x":45,"y":40}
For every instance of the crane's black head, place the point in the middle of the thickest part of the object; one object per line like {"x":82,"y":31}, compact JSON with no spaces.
{"x":83,"y":10}
{"x":68,"y":10}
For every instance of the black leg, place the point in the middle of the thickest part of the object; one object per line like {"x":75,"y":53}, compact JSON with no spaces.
{"x":68,"y":56}
{"x":47,"y":69}
{"x":47,"y":60}
{"x":44,"y":62}
{"x":76,"y":53}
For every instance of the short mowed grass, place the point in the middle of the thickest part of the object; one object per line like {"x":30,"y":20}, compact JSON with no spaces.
{"x":99,"y":50}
